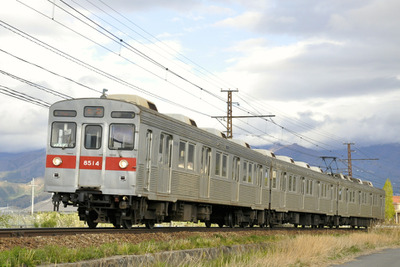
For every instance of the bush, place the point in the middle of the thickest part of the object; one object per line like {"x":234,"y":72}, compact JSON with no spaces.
{"x":5,"y":221}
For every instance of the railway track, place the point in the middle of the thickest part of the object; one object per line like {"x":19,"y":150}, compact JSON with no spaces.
{"x":31,"y":232}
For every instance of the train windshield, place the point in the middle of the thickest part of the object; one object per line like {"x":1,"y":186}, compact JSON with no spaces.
{"x":63,"y":134}
{"x":121,"y":136}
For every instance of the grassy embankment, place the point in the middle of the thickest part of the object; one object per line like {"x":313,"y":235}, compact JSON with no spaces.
{"x":282,"y":250}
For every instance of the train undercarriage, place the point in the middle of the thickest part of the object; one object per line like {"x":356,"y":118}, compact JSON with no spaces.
{"x":125,"y":211}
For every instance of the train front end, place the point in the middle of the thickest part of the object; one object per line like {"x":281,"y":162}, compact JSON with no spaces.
{"x":91,"y":157}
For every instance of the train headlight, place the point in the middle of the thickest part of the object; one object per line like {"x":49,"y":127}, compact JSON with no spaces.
{"x":57,"y":161}
{"x":123,"y":163}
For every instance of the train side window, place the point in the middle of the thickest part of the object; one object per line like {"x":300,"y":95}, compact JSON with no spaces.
{"x":224,"y":165}
{"x":218,"y":163}
{"x":259,"y":174}
{"x":63,"y":134}
{"x":244,"y":174}
{"x":93,"y":136}
{"x":292,"y":183}
{"x":182,"y":151}
{"x":191,"y":152}
{"x":121,"y":137}
{"x":250,"y":174}
{"x":283,"y":181}
{"x":266,"y":177}
{"x":273,"y":179}
{"x":294,"y":186}
{"x":235,"y":169}
{"x":309,"y":187}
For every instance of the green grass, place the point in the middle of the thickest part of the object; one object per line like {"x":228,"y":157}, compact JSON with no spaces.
{"x":56,"y":254}
{"x":288,"y":250}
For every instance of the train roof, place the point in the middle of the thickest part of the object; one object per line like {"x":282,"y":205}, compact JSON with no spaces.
{"x":215,"y":132}
{"x":182,"y":118}
{"x":134,"y":99}
{"x":285,"y":158}
{"x":266,"y":152}
{"x":240,"y":142}
{"x":302,"y":164}
{"x":317,"y":169}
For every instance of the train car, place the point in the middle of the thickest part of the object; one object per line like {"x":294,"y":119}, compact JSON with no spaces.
{"x":120,"y":161}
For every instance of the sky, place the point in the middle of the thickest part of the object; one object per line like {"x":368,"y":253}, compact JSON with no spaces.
{"x":328,"y":70}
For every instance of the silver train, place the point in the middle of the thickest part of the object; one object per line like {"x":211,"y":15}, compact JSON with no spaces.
{"x":120,"y":161}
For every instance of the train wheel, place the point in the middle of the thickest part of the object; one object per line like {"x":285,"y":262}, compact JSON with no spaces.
{"x":230,"y":221}
{"x":149,"y":224}
{"x":208,"y":224}
{"x":90,"y":219}
{"x":127,"y":224}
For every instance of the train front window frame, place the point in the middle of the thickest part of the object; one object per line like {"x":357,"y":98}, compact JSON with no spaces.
{"x":63,"y":135}
{"x":93,"y":136}
{"x":121,"y":137}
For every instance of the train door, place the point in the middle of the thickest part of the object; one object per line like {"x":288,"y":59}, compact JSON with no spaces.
{"x":235,"y":179}
{"x":303,"y":191}
{"x":91,"y":156}
{"x":165,"y":164}
{"x":259,"y":176}
{"x":148,"y":157}
{"x":318,"y":195}
{"x":205,"y":172}
{"x":283,"y":187}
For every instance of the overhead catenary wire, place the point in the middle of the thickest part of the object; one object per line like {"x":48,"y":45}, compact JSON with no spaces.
{"x":91,"y":67}
{"x":117,"y":39}
{"x":24,"y":97}
{"x":130,"y":61}
{"x":50,"y":71}
{"x":279,"y":125}
{"x":38,"y":86}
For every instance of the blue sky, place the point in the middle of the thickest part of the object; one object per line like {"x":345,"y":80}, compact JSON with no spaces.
{"x":328,"y":69}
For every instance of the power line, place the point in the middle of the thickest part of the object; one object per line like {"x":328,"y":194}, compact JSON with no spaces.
{"x":24,"y":97}
{"x":90,"y":67}
{"x":50,"y":71}
{"x":40,"y":87}
{"x":118,"y":39}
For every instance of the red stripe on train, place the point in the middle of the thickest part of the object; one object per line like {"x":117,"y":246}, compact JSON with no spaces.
{"x":68,"y":161}
{"x":90,"y":163}
{"x":112,"y":164}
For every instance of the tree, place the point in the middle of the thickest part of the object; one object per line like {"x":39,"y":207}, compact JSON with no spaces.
{"x":389,"y":207}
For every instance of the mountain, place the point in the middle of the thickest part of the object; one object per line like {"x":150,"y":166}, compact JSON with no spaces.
{"x":22,"y":167}
{"x":20,"y":194}
{"x":18,"y":169}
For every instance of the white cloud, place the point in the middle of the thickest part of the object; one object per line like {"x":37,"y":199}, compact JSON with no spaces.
{"x":331,"y":64}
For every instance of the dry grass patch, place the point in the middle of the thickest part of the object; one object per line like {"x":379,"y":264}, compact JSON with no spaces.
{"x":316,"y":250}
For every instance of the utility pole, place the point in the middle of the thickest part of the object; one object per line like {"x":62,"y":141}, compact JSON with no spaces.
{"x":229,"y":116}
{"x":33,"y":194}
{"x":349,"y":160}
{"x":349,"y":167}
{"x":229,"y":133}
